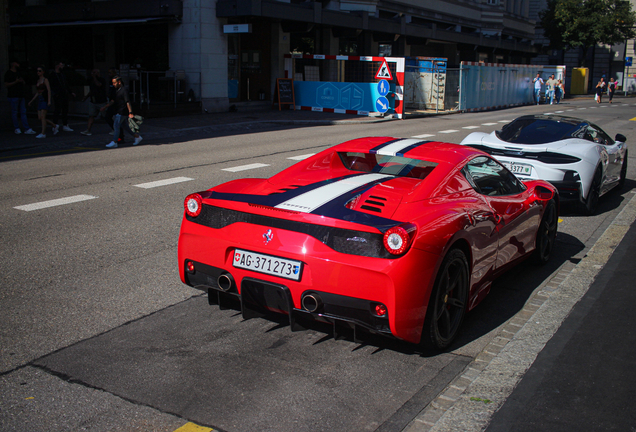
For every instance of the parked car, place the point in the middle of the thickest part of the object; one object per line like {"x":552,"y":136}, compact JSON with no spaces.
{"x":398,"y":237}
{"x":573,"y":154}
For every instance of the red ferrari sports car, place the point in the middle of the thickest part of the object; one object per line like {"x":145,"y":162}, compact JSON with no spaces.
{"x":399,"y":237}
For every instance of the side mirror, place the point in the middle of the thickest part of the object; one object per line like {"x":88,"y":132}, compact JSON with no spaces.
{"x":620,"y":137}
{"x":543,"y":193}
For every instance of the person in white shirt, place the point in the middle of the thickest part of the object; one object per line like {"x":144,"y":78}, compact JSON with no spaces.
{"x":538,"y":82}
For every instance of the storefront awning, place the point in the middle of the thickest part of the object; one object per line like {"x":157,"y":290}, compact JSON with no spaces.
{"x":95,"y":22}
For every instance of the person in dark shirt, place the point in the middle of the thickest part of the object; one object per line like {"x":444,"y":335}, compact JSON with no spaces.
{"x":16,"y":88}
{"x":98,"y":98}
{"x":121,"y":105}
{"x":61,"y":91}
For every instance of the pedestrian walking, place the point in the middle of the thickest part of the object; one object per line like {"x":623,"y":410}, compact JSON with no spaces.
{"x":600,"y":88}
{"x":550,"y":89}
{"x":43,"y":96}
{"x":16,"y":89}
{"x":561,"y":87}
{"x":611,"y":88}
{"x":61,"y":91}
{"x":538,"y":83}
{"x":122,"y":106}
{"x":98,"y":98}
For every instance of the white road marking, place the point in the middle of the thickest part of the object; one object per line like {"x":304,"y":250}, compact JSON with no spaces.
{"x":580,"y":109}
{"x":245,"y":167}
{"x":448,"y":131}
{"x":488,"y":124}
{"x":505,"y":121}
{"x":548,"y":113}
{"x":423,"y":136}
{"x":165,"y":182}
{"x":571,"y":110}
{"x":55,"y":202}
{"x":558,"y":112}
{"x":470,"y":127}
{"x":301,"y":157}
{"x":604,"y":106}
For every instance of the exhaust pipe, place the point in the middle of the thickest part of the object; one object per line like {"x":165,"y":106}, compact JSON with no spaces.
{"x":311,"y":302}
{"x":225,"y":282}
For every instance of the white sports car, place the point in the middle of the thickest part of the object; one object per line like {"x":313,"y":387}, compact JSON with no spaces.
{"x":576,"y":156}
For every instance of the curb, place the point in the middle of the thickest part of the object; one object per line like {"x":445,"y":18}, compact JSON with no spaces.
{"x":472,"y":398}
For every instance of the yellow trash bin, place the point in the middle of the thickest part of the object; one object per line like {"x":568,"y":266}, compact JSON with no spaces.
{"x":578,"y":82}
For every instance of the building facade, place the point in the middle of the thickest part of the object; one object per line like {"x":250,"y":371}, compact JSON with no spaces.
{"x":220,"y":52}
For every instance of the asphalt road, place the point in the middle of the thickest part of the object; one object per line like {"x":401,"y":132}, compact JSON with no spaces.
{"x":98,"y":333}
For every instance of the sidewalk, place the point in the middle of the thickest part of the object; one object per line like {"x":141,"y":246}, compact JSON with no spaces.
{"x":585,"y":376}
{"x":566,"y":362}
{"x":166,"y":126}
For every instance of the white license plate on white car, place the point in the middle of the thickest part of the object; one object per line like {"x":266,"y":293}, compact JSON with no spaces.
{"x":518,"y":168}
{"x":268,"y":264}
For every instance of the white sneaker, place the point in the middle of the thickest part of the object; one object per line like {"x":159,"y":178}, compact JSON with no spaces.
{"x":65,"y":128}
{"x":17,"y":131}
{"x":30,"y":132}
{"x":112,"y":144}
{"x":56,"y":129}
{"x":87,"y":133}
{"x":137,"y":140}
{"x":41,"y":136}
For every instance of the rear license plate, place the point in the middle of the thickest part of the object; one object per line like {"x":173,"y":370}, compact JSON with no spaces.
{"x":518,"y":168}
{"x":268,"y":264}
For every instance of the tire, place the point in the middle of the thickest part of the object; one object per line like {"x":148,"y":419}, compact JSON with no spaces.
{"x":448,"y":303}
{"x":591,"y":203}
{"x":546,"y":234}
{"x":621,"y":180}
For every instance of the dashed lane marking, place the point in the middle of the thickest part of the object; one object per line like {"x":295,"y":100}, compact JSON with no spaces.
{"x":488,"y":124}
{"x":505,"y":121}
{"x":55,"y":202}
{"x":301,"y":157}
{"x":448,"y":131}
{"x":423,"y":136}
{"x":470,"y":127}
{"x":245,"y":167}
{"x":165,"y":182}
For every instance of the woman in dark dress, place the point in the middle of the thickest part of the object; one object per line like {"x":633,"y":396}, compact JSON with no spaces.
{"x":43,"y":96}
{"x":599,"y":91}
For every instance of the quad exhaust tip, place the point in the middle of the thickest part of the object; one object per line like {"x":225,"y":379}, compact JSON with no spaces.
{"x":311,"y":302}
{"x":225,"y":282}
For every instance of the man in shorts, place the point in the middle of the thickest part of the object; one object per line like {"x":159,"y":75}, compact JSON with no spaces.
{"x":98,"y":98}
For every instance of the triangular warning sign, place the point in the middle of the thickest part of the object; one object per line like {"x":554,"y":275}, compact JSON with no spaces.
{"x":384,"y":72}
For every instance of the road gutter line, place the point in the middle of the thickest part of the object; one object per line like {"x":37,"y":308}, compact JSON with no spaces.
{"x":473,"y":397}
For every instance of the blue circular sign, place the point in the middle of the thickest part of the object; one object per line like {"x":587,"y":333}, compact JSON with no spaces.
{"x":381,"y":104}
{"x":383,"y":87}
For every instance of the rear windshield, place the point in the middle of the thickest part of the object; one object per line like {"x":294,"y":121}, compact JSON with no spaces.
{"x":530,"y":130}
{"x":393,"y":165}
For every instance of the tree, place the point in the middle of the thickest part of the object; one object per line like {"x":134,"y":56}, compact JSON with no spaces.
{"x":583,"y":24}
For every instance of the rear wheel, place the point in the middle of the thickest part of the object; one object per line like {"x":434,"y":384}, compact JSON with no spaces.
{"x":546,"y":233}
{"x":591,"y":203}
{"x":448,"y":301}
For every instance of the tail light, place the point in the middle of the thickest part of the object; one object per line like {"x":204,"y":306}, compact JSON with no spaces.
{"x":193,"y":204}
{"x":397,"y":240}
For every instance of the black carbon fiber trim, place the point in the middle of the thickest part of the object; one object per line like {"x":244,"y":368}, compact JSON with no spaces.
{"x":341,"y":240}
